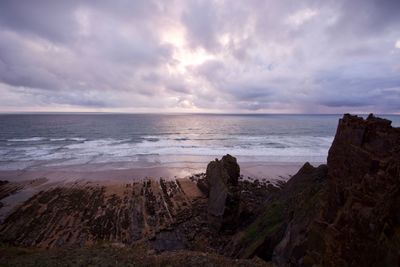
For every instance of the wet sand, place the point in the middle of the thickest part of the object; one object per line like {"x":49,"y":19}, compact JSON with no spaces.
{"x":115,"y":172}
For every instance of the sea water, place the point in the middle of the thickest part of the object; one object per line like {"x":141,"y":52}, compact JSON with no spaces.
{"x":33,"y":140}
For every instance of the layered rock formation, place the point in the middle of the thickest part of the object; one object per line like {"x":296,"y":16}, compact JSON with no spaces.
{"x":362,"y":214}
{"x":164,"y":215}
{"x":224,"y":195}
{"x":84,"y":213}
{"x":342,"y":214}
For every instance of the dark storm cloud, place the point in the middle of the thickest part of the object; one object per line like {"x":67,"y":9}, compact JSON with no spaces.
{"x":279,"y":56}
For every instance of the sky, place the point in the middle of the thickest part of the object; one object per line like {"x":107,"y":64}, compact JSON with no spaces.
{"x":248,"y":56}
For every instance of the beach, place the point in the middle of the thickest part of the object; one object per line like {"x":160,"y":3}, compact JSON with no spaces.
{"x":99,"y":172}
{"x":30,"y":182}
{"x":75,"y":205}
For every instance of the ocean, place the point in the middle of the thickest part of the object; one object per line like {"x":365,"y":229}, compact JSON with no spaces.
{"x":43,"y":140}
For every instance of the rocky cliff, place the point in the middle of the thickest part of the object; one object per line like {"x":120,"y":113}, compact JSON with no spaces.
{"x":344,"y":214}
{"x":362,"y":214}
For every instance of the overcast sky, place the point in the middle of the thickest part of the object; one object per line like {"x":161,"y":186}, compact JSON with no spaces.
{"x":200,"y":56}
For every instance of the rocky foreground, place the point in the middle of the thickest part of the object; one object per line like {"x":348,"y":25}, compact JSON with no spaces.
{"x":344,"y":213}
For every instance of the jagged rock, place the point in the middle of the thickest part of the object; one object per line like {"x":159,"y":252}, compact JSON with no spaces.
{"x":342,"y":214}
{"x":281,"y":227}
{"x":223,"y":198}
{"x":362,"y":219}
{"x":303,"y":196}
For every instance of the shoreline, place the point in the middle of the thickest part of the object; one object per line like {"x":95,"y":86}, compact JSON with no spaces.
{"x":121,"y":172}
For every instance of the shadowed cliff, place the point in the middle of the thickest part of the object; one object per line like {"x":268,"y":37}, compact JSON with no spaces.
{"x":345,"y":213}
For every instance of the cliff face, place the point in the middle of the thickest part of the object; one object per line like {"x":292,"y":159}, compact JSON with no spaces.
{"x":362,"y":211}
{"x":344,"y":214}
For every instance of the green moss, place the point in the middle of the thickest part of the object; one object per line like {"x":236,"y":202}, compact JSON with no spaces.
{"x":267,"y":225}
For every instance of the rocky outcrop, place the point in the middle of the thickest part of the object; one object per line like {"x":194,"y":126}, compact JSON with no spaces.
{"x":342,"y":214}
{"x":279,"y":232}
{"x":303,"y":196}
{"x":361,"y":217}
{"x":121,"y":213}
{"x":223,"y":196}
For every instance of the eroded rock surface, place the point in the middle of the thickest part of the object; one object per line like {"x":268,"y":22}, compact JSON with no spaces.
{"x":361,"y":218}
{"x":86,"y":213}
{"x":281,"y":228}
{"x":224,"y":194}
{"x":342,"y":214}
{"x":166,"y":215}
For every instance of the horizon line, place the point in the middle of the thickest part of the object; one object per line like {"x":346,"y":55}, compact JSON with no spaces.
{"x":178,"y":113}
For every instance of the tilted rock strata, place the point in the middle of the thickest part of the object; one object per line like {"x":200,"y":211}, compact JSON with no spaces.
{"x":83,"y":214}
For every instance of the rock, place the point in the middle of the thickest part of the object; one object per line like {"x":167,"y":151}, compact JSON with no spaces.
{"x":342,"y":214}
{"x":280,"y":228}
{"x":223,"y":197}
{"x":203,"y":186}
{"x":168,"y":241}
{"x":303,"y":196}
{"x":362,"y":219}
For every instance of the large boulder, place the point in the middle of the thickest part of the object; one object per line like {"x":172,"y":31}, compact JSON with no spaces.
{"x":224,"y":195}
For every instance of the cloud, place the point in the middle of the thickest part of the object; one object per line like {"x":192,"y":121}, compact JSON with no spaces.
{"x":198,"y":55}
{"x":397,"y":44}
{"x":301,"y":16}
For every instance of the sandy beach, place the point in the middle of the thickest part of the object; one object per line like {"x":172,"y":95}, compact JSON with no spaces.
{"x":119,"y":172}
